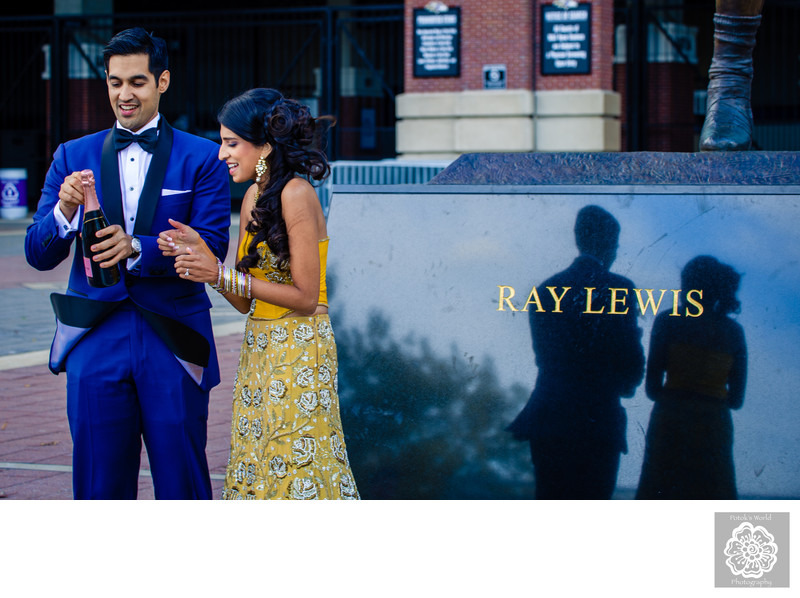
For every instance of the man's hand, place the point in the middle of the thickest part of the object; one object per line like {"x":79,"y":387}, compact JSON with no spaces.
{"x":70,"y":196}
{"x":115,"y":246}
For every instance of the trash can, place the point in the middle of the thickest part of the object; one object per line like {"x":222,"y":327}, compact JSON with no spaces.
{"x":13,"y":193}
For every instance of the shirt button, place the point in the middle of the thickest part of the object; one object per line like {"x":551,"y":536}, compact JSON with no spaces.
{"x":131,"y":189}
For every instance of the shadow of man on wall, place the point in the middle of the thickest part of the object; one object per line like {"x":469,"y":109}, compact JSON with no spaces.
{"x":588,"y":352}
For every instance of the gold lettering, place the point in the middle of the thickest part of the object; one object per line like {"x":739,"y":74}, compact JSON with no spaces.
{"x":615,"y":300}
{"x":650,"y":301}
{"x":691,"y":300}
{"x":676,"y":293}
{"x":557,"y":298}
{"x":589,"y":302}
{"x":503,"y":298}
{"x":533,"y":298}
{"x":645,"y":298}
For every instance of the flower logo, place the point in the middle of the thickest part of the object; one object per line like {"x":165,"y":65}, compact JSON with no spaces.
{"x":751,"y":551}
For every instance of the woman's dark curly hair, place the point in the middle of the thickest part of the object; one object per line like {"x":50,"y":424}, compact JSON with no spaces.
{"x":263,"y":116}
{"x":719,"y":283}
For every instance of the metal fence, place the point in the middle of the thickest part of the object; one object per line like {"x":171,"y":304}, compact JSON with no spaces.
{"x":348,"y":61}
{"x":340,"y":60}
{"x":383,"y":172}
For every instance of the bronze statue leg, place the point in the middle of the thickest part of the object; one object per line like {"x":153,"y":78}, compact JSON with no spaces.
{"x":742,"y":8}
{"x":729,"y":117}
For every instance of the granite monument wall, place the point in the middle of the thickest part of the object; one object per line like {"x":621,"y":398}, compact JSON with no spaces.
{"x":431,"y":288}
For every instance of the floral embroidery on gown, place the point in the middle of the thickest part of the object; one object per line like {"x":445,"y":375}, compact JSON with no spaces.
{"x":286,"y":431}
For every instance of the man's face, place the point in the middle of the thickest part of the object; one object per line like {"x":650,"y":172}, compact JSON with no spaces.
{"x":133,"y":90}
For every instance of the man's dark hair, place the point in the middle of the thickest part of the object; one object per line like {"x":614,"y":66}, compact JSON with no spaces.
{"x":596,"y":231}
{"x":138,"y":41}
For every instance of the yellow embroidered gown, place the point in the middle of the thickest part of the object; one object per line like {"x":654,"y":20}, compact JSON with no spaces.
{"x":286,"y":432}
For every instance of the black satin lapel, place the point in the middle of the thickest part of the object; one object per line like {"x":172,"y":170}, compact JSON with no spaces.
{"x":109,"y":182}
{"x":151,"y":192}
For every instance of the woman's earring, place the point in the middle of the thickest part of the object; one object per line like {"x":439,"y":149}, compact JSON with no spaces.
{"x":261,"y":168}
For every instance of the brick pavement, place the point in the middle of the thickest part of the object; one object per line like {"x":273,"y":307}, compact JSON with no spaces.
{"x":35,"y":444}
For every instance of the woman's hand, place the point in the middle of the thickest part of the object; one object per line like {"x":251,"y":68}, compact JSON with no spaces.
{"x":197,"y":267}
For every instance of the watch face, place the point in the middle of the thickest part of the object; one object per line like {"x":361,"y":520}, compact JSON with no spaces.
{"x":136,"y":244}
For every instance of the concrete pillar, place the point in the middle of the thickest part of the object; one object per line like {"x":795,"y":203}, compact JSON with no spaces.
{"x":441,"y":116}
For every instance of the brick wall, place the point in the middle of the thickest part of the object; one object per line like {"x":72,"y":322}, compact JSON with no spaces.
{"x":492,"y":32}
{"x":507,"y":32}
{"x":602,"y":67}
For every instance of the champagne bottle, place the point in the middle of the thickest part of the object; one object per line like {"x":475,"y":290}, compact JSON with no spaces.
{"x":93,"y":221}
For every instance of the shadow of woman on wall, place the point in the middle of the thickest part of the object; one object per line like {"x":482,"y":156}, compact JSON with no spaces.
{"x":696,"y":374}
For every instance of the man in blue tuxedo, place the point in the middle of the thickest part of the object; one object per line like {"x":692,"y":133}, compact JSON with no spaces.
{"x":139,"y":356}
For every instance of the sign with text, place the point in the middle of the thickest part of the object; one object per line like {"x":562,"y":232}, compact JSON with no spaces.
{"x":437,"y":43}
{"x":566,"y":39}
{"x":494,"y":76}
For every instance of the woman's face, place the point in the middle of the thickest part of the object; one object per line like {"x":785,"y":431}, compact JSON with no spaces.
{"x":241,"y":156}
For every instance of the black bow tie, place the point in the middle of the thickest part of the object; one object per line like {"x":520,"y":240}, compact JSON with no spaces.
{"x":147,"y":140}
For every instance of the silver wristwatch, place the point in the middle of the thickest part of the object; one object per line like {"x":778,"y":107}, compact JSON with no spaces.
{"x":136,"y":245}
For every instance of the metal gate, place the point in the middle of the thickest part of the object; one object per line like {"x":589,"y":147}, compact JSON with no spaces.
{"x":341,"y":60}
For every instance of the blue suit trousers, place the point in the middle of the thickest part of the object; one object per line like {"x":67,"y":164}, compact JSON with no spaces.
{"x":124,"y":386}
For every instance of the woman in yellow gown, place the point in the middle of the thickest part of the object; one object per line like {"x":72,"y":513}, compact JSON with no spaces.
{"x":286,"y":432}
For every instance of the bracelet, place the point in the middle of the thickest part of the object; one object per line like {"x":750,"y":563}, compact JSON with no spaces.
{"x":220,"y":272}
{"x":230,"y":280}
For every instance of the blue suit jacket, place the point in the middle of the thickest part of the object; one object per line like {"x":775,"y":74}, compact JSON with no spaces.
{"x":185,"y":182}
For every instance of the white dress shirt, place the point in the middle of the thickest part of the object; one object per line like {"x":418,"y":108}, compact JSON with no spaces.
{"x":133,"y":165}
